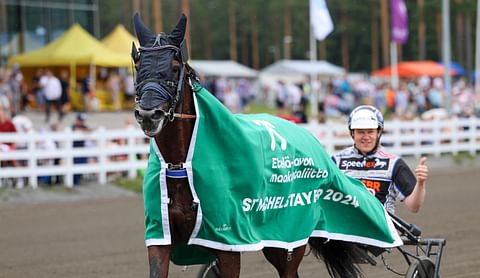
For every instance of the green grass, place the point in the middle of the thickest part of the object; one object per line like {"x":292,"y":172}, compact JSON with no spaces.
{"x":257,"y":108}
{"x":134,"y":185}
{"x":463,"y":158}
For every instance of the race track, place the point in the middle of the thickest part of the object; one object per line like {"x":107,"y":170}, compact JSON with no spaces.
{"x":103,"y":236}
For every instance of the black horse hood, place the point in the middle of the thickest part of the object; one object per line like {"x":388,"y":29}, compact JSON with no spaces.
{"x":147,"y":38}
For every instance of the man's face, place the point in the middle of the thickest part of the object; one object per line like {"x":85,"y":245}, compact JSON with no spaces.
{"x":365,"y":139}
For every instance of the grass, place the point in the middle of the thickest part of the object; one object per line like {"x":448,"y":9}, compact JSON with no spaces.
{"x":463,"y":157}
{"x":257,"y":108}
{"x":134,"y":185}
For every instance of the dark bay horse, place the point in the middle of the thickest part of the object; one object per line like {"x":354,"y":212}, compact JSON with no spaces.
{"x":166,"y":112}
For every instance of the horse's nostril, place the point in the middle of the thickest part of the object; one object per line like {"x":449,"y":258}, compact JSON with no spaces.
{"x":157,"y":115}
{"x":138,"y":117}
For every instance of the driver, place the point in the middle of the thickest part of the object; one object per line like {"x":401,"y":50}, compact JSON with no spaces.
{"x":385,"y":175}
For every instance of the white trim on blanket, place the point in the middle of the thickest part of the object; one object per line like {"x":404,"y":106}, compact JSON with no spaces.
{"x":357,"y":239}
{"x":164,"y":200}
{"x":249,"y":247}
{"x":191,"y":150}
{"x":157,"y":241}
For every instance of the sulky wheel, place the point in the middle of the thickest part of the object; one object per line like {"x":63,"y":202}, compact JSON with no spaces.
{"x":423,"y":267}
{"x":209,"y":271}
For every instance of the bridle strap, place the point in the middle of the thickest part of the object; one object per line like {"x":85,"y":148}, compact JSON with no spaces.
{"x":184,"y":116}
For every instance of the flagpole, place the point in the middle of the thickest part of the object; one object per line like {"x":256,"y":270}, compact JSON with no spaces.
{"x":320,"y":26}
{"x":477,"y":56}
{"x":313,"y":89}
{"x":393,"y":64}
{"x":446,"y":54}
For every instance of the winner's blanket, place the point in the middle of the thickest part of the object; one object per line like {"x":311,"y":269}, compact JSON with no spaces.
{"x":261,"y":181}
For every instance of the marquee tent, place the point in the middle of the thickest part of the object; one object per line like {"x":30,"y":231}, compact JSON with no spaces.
{"x":222,"y":68}
{"x":75,"y":47}
{"x":303,"y":67}
{"x":76,"y":50}
{"x":120,"y":40}
{"x":414,"y":69}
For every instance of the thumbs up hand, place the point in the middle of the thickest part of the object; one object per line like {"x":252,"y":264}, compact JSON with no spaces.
{"x":421,"y":172}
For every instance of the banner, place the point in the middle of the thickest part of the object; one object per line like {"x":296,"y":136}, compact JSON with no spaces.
{"x":320,"y":19}
{"x":399,"y":20}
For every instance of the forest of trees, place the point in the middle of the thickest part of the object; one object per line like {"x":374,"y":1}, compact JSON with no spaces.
{"x":259,"y":32}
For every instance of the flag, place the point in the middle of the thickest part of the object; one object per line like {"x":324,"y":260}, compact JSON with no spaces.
{"x":399,"y":20}
{"x":320,"y":19}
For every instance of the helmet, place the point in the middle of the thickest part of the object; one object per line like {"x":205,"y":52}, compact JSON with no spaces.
{"x":365,"y":117}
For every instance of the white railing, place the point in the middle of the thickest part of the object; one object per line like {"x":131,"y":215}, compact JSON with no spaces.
{"x":113,"y":151}
{"x":105,"y":151}
{"x":411,"y":138}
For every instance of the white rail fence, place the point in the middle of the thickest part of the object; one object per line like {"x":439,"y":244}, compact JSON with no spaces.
{"x":114,"y":151}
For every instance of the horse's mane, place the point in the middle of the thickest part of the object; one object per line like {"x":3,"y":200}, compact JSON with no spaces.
{"x":192,"y":72}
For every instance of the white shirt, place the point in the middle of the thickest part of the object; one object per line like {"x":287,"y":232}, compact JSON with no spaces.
{"x":52,"y":88}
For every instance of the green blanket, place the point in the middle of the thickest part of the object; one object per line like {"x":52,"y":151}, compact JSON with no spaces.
{"x":261,"y":181}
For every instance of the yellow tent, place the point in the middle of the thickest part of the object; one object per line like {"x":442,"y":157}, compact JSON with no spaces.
{"x":120,"y":40}
{"x":75,"y":48}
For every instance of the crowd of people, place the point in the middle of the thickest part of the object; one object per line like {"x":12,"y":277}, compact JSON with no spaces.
{"x":47,"y":93}
{"x":337,"y":98}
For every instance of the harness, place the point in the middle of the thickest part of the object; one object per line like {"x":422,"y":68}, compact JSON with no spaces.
{"x":172,"y":95}
{"x":176,"y":171}
{"x":174,"y":85}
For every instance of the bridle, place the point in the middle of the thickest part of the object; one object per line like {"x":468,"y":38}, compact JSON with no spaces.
{"x":171,"y":91}
{"x":175,"y":85}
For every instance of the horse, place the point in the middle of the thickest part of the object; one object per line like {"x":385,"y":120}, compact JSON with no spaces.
{"x":166,"y":108}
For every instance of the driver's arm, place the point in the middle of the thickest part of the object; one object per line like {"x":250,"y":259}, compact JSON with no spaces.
{"x":415,"y":200}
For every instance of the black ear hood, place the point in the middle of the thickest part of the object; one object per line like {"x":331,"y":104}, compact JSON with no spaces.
{"x":178,"y":33}
{"x":144,"y":34}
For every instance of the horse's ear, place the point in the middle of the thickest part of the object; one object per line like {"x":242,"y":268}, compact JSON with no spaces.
{"x":177,"y":34}
{"x":135,"y":54}
{"x":144,"y":34}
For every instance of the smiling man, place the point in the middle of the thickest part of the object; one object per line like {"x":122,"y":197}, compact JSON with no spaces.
{"x":386,"y":175}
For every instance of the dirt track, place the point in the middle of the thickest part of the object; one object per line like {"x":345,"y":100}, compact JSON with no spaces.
{"x":103,"y":236}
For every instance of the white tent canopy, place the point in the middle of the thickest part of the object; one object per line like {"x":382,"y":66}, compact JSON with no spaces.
{"x":303,"y":67}
{"x":222,"y":68}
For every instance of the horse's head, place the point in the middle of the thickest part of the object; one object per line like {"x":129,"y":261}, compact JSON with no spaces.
{"x":160,"y":63}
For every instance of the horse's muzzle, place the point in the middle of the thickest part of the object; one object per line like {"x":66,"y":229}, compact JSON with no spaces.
{"x":150,"y":121}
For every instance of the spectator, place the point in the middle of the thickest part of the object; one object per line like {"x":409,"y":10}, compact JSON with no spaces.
{"x":79,"y":126}
{"x":5,"y":91}
{"x":64,"y":98}
{"x":52,"y":90}
{"x":49,"y":145}
{"x":86,"y":92}
{"x":114,"y":86}
{"x":129,"y":89}
{"x":16,"y":84}
{"x":6,"y":125}
{"x":37,"y":90}
{"x":232,"y":100}
{"x":23,"y":125}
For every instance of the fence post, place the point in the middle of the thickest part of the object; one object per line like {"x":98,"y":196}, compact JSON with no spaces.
{"x":472,"y":131}
{"x":32,"y":161}
{"x":132,"y":157}
{"x":68,"y":157}
{"x":102,"y":157}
